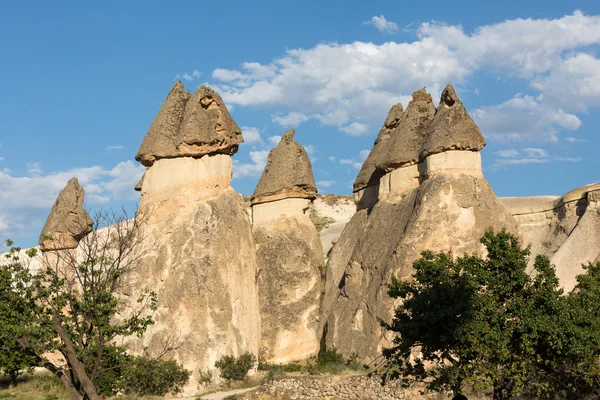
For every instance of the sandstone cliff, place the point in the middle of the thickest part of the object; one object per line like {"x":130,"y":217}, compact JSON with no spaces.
{"x":289,"y":254}
{"x":431,"y":194}
{"x":202,"y":260}
{"x":565,"y":228}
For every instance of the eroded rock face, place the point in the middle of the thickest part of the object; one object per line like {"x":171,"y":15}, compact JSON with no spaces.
{"x":288,"y":173}
{"x":565,"y":228}
{"x":202,"y":264}
{"x":434,"y":200}
{"x":290,"y":260}
{"x":190,"y":126}
{"x":68,"y":222}
{"x":289,"y":254}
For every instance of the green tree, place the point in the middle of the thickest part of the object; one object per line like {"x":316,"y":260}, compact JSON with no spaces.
{"x":488,"y":323}
{"x":71,"y":306}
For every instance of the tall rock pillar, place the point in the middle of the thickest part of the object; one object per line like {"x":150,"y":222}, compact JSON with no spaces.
{"x":202,"y":256}
{"x":290,"y":255}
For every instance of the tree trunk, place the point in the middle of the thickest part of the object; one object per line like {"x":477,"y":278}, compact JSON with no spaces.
{"x":70,"y":354}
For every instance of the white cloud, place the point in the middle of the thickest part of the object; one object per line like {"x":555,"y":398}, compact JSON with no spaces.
{"x":571,"y":139}
{"x":1,"y":158}
{"x":364,"y":154}
{"x":325,"y":184}
{"x":528,"y":155}
{"x":331,"y":158}
{"x":352,"y":85}
{"x":118,"y":147}
{"x":255,"y":168}
{"x":523,"y":117}
{"x":310,"y":149}
{"x":189,"y":76}
{"x":274,"y":140}
{"x":251,"y":134}
{"x":383,"y":25}
{"x":34,"y":168}
{"x":26,"y":200}
{"x":354,"y":164}
{"x":290,"y":119}
{"x":355,"y":129}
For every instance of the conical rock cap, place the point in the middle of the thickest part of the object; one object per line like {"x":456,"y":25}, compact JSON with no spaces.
{"x":68,"y":222}
{"x":406,"y":142}
{"x":452,"y":128}
{"x":190,"y":126}
{"x":288,"y":173}
{"x":368,"y":175}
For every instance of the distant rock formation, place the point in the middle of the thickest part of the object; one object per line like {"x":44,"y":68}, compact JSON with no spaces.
{"x":427,"y":191}
{"x":202,"y":263}
{"x":289,"y":254}
{"x":68,"y":222}
{"x":565,"y":228}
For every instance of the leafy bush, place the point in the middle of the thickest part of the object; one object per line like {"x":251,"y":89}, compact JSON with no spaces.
{"x":153,"y":377}
{"x":487,"y":323}
{"x":205,"y":378}
{"x":235,"y":368}
{"x":332,"y":362}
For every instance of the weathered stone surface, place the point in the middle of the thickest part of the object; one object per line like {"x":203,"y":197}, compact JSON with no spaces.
{"x":138,"y":186}
{"x":406,"y":142}
{"x":447,"y":212}
{"x":368,"y":174}
{"x":566,"y":229}
{"x":161,"y":139}
{"x":290,"y":269}
{"x":190,"y":126}
{"x":452,"y":128}
{"x":68,"y":222}
{"x":265,"y":212}
{"x":203,"y":268}
{"x":288,"y":173}
{"x":207,"y":127}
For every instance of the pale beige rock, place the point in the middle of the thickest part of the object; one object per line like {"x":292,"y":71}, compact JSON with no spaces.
{"x":203,"y":269}
{"x":265,"y":212}
{"x":563,"y":228}
{"x":394,"y":185}
{"x":290,"y":260}
{"x":288,"y":173}
{"x":454,"y":162}
{"x":68,"y":222}
{"x":140,"y":184}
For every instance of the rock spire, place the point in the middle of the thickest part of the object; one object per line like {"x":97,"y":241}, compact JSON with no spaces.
{"x":68,"y":222}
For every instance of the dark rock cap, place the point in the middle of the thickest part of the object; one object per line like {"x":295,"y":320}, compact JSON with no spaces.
{"x":288,"y":173}
{"x":190,"y":126}
{"x":407,"y":140}
{"x":138,"y":186}
{"x":67,"y":222}
{"x":161,"y":139}
{"x":452,"y":128}
{"x":368,"y":174}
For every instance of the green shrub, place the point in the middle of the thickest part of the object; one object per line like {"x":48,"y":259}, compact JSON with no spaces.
{"x":235,"y":368}
{"x":153,"y":377}
{"x":332,"y":362}
{"x":205,"y":378}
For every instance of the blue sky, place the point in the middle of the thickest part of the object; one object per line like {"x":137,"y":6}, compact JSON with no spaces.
{"x":80,"y":83}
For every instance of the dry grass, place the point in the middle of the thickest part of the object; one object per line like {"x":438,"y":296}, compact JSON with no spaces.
{"x":320,"y":222}
{"x":40,"y":386}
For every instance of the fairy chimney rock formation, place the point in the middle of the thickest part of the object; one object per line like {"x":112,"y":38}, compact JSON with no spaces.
{"x":289,"y":254}
{"x":287,"y":184}
{"x":68,"y":222}
{"x":428,"y":193}
{"x":200,"y":252}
